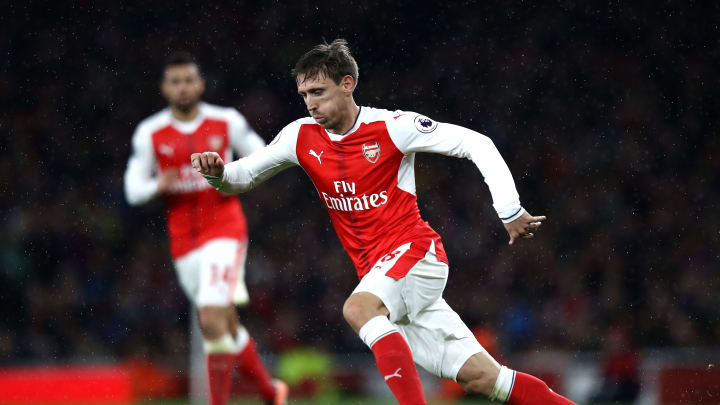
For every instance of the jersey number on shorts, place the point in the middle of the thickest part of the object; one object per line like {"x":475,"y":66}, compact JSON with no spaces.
{"x":398,"y":263}
{"x":388,"y":261}
{"x":217,"y":274}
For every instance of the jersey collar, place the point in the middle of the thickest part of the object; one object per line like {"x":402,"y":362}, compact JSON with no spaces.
{"x":189,"y":127}
{"x":356,"y":125}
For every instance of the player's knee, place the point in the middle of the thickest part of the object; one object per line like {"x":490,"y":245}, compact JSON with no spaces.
{"x":479,"y":374}
{"x":213,"y":322}
{"x":356,"y":313}
{"x":351,"y":311}
{"x":361,"y":307}
{"x":482,"y":383}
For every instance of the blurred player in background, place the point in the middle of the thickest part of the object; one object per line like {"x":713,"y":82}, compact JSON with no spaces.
{"x":361,"y":162}
{"x":208,"y":231}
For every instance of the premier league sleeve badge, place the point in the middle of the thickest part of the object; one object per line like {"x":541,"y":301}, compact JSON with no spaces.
{"x":425,"y":124}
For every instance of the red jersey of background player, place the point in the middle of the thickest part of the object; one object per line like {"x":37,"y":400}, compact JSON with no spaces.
{"x":196,"y":212}
{"x":366,"y":180}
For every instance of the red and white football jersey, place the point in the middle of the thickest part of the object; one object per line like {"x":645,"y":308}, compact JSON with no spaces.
{"x":366,"y":179}
{"x":196,"y":212}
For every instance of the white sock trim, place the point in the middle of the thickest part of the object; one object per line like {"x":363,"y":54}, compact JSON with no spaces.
{"x":223,"y":344}
{"x":375,"y":329}
{"x":503,"y":385}
{"x":242,"y":339}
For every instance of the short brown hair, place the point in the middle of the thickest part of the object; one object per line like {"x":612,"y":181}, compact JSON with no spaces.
{"x":181,"y":58}
{"x":332,"y":60}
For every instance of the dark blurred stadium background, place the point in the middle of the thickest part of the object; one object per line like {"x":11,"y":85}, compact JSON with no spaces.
{"x":606,"y":112}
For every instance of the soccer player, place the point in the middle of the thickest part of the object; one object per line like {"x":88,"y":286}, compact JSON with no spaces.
{"x":208,"y":231}
{"x":361,"y":162}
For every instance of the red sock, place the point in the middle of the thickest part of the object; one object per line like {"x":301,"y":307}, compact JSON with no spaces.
{"x":394,"y":360}
{"x":220,"y":368}
{"x":252,"y":368}
{"x":528,"y":390}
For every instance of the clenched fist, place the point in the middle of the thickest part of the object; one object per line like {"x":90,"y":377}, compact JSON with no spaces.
{"x":208,"y":164}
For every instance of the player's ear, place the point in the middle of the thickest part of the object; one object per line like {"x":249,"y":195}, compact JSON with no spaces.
{"x":202,"y":85}
{"x":348,"y":84}
{"x":164,"y":90}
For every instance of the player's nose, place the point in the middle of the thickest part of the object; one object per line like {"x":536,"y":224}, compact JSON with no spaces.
{"x":310,"y":103}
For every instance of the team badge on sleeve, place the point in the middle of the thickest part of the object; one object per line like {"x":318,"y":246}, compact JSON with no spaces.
{"x":371,"y":151}
{"x":425,"y":124}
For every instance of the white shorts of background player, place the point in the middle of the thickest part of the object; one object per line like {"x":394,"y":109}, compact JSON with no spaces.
{"x":214,"y":274}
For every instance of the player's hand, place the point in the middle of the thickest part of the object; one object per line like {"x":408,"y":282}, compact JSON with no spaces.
{"x":208,"y":164}
{"x":524,"y":227}
{"x":167,"y":180}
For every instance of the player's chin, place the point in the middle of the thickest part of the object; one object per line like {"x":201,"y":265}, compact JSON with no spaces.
{"x":328,"y":125}
{"x":186,"y":106}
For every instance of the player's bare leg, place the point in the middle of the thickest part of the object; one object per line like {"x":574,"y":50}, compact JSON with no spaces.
{"x":226,"y":342}
{"x":216,"y":321}
{"x":362,"y":307}
{"x":478,"y":374}
{"x":481,"y":374}
{"x":368,"y":316}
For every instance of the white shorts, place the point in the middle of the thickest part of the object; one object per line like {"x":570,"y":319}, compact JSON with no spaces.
{"x":440,"y":341}
{"x":214,"y":273}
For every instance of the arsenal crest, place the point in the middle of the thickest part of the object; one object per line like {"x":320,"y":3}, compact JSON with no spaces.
{"x":215,"y":142}
{"x":371,"y":151}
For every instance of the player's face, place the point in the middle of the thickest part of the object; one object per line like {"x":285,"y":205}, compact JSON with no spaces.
{"x":325,"y":99}
{"x":182,"y":86}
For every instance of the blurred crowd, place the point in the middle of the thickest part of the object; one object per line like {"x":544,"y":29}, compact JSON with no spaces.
{"x":607,"y":116}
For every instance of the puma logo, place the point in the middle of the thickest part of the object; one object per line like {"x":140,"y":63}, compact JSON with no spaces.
{"x":165,"y":150}
{"x":313,"y":153}
{"x":395,"y":374}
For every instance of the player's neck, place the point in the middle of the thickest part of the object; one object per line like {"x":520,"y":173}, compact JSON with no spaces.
{"x":350,"y":115}
{"x":189,"y":115}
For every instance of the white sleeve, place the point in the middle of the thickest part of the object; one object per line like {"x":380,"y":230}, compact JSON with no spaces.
{"x":416,"y":133}
{"x":243,"y":138}
{"x":140,"y":181}
{"x":244,"y":174}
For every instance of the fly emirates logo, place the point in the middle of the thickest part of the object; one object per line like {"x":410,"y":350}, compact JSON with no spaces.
{"x":189,"y":181}
{"x":348,"y":201}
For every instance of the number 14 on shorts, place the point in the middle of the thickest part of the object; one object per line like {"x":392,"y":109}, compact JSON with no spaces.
{"x":388,"y":261}
{"x":217,"y":274}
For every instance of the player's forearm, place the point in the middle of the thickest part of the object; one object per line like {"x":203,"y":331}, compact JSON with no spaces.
{"x":245,"y":174}
{"x":140,"y":184}
{"x":139,"y":191}
{"x":496,"y":173}
{"x":236,"y":178}
{"x":464,"y":142}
